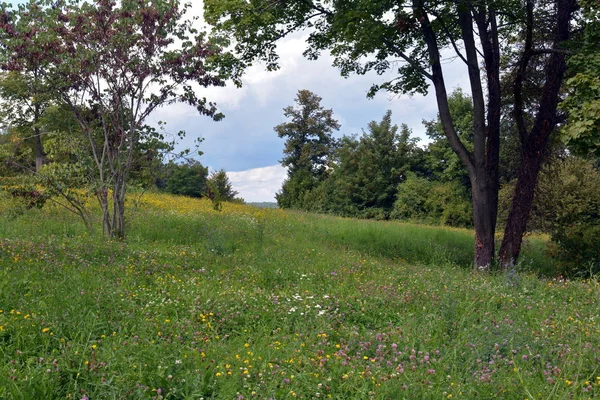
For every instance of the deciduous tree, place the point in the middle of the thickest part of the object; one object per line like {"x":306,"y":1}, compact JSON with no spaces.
{"x":113,"y":65}
{"x":410,"y":38}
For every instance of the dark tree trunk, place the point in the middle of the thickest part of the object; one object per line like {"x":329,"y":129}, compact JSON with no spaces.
{"x":516,"y":224}
{"x":118,"y":228}
{"x":482,"y":162}
{"x":534,"y":143}
{"x":484,"y":211}
{"x":103,"y":200}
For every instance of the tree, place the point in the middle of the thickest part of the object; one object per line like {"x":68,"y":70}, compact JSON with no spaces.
{"x":187,"y":179}
{"x":220,"y":188}
{"x":308,"y":146}
{"x":24,"y":90}
{"x":408,"y":37}
{"x":367,"y":170}
{"x":113,"y":66}
{"x":536,"y":120}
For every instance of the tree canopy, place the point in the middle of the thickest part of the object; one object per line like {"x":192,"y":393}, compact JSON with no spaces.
{"x":409,"y":38}
{"x":112,"y":66}
{"x":308,"y":146}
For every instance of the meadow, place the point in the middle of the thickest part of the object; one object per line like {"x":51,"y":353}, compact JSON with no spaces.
{"x":252,"y":303}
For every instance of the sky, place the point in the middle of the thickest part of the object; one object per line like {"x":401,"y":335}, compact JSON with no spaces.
{"x":244,"y":143}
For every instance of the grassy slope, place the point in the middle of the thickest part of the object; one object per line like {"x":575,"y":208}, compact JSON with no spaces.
{"x":268,"y":304}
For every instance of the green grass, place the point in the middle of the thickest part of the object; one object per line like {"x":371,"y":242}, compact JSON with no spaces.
{"x":268,"y":304}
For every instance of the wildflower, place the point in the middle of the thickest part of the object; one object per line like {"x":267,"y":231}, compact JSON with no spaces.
{"x":45,"y":330}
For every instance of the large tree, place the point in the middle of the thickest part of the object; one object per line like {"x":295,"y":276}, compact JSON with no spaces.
{"x":409,"y":37}
{"x":368,"y":169}
{"x":113,"y":65}
{"x":308,"y":146}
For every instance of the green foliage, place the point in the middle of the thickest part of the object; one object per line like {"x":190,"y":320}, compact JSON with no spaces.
{"x":187,"y":179}
{"x":568,"y":207}
{"x":309,"y":145}
{"x":219,"y":189}
{"x":366,"y":172}
{"x":583,"y":87}
{"x":440,"y":160}
{"x":362,"y":35}
{"x":294,"y":190}
{"x":434,"y":202}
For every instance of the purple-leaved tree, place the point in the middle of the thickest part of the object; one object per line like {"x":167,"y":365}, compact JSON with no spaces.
{"x":113,"y":64}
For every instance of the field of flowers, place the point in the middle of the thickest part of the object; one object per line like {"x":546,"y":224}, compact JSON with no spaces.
{"x":250,"y":303}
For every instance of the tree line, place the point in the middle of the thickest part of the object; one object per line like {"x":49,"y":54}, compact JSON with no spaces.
{"x":385,"y":174}
{"x":100,"y":68}
{"x":515,"y":53}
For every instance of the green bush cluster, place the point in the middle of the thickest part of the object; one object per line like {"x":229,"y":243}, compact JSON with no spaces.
{"x":193,"y":180}
{"x":568,"y":206}
{"x":443,"y":203}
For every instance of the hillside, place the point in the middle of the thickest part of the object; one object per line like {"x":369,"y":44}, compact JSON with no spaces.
{"x":262,"y":303}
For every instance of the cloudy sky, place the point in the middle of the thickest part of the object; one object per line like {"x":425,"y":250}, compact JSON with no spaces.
{"x":244,"y":143}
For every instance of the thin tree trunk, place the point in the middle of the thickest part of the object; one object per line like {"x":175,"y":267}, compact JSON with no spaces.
{"x":119,"y":208}
{"x":103,"y":200}
{"x":39,"y":150}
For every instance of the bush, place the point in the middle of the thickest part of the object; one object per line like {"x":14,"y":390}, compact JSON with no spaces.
{"x":186,"y":179}
{"x":433,"y":202}
{"x":568,"y":203}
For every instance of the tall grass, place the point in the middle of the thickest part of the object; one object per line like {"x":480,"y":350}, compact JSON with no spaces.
{"x":253,"y":303}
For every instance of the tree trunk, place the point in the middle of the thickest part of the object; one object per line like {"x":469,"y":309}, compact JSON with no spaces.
{"x":103,"y":200}
{"x":534,"y":143}
{"x":516,"y":225}
{"x":39,"y":151}
{"x":119,"y":208}
{"x":485,"y":204}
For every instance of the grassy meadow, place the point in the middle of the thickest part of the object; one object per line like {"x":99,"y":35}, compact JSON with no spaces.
{"x":253,"y":303}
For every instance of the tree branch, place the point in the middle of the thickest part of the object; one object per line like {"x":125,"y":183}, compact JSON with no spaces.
{"x":449,"y":36}
{"x":520,"y":75}
{"x":440,"y":88}
{"x":465,"y":19}
{"x":406,"y":58}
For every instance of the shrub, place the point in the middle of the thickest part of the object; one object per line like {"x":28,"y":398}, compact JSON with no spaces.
{"x":186,"y":179}
{"x":433,"y":202}
{"x":568,"y":204}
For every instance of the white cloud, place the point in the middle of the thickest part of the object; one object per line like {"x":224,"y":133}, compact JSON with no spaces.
{"x":258,"y":184}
